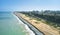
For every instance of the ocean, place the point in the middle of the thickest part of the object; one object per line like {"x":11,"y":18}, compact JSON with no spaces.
{"x":11,"y":25}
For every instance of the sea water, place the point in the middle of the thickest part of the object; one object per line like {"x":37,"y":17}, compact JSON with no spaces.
{"x":11,"y":25}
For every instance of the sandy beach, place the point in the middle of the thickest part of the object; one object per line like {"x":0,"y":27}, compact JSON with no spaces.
{"x":46,"y":29}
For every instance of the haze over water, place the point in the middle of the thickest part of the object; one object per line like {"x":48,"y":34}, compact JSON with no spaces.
{"x":9,"y":25}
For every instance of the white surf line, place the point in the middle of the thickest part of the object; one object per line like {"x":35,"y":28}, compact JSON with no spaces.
{"x":27,"y":28}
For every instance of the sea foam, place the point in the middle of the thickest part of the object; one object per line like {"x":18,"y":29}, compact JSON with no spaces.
{"x":27,"y":28}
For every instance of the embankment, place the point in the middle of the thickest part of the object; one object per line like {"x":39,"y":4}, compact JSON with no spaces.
{"x":33,"y":28}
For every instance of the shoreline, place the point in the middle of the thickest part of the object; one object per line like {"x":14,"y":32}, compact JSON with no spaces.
{"x":41,"y":26}
{"x":38,"y":32}
{"x":27,"y":28}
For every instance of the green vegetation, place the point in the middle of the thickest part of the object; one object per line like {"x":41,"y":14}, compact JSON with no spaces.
{"x":51,"y":18}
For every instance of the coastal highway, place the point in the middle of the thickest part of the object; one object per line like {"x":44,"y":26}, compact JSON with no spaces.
{"x":35,"y":30}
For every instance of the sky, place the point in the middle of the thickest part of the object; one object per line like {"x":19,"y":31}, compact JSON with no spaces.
{"x":28,"y":5}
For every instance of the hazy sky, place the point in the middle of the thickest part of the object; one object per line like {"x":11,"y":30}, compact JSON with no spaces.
{"x":23,"y":5}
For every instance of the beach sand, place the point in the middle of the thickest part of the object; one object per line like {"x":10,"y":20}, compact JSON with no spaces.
{"x":46,"y":29}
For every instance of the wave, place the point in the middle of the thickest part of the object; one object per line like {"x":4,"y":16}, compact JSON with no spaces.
{"x":27,"y":28}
